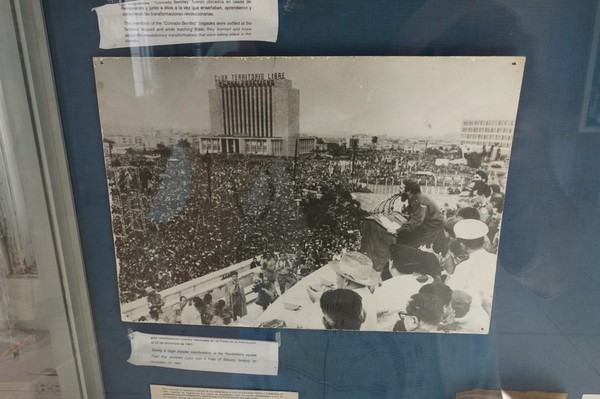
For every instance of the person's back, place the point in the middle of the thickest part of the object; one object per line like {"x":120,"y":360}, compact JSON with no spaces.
{"x":189,"y":314}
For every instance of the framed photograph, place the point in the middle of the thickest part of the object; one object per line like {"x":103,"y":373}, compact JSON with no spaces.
{"x":355,"y":193}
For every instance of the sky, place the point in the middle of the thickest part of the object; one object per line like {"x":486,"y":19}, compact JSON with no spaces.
{"x":393,"y":96}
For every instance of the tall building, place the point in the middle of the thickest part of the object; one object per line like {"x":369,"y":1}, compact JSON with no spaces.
{"x":475,"y":134}
{"x":251,"y":114}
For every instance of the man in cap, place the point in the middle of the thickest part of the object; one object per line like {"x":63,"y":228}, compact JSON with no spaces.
{"x":425,"y":222}
{"x":476,"y":275}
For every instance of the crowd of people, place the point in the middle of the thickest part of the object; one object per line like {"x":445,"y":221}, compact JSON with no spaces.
{"x":180,"y":215}
{"x":195,"y":213}
{"x":439,"y":276}
{"x":193,"y":311}
{"x":393,"y":166}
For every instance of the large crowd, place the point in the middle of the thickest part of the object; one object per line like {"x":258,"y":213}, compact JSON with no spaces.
{"x":179,"y":215}
{"x":182,"y":215}
{"x":393,"y":166}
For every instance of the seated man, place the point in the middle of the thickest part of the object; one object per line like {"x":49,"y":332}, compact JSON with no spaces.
{"x":425,"y":222}
{"x":265,"y":290}
{"x":224,"y":312}
{"x":354,"y":272}
{"x":444,"y":294}
{"x":342,"y":310}
{"x":410,"y":260}
{"x":457,"y":313}
{"x":423,"y":314}
{"x":155,"y":317}
{"x":466,"y":319}
{"x":409,"y":269}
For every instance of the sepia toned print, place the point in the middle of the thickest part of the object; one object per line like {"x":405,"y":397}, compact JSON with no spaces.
{"x":355,"y":193}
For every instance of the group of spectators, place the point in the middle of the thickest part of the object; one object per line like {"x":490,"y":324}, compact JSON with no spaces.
{"x":196,"y":310}
{"x":414,"y":292}
{"x":441,"y":271}
{"x":192,"y":214}
{"x":199,"y":310}
{"x":182,"y":216}
{"x":393,"y":166}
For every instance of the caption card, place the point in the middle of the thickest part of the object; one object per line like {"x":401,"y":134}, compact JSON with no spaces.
{"x":161,"y":22}
{"x":169,"y":392}
{"x":205,"y":354}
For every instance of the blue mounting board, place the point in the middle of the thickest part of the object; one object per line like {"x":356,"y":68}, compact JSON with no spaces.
{"x":546,"y":319}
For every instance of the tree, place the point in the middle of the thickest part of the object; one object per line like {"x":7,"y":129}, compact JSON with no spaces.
{"x":434,"y":152}
{"x":163,"y":150}
{"x":473,"y":159}
{"x":111,"y":144}
{"x":374,"y":139}
{"x":183,"y":143}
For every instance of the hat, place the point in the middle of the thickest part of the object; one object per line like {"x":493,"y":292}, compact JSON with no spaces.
{"x":356,"y":267}
{"x":470,"y":229}
{"x":149,"y":290}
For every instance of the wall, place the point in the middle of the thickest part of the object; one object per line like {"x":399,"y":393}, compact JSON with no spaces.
{"x":214,"y":283}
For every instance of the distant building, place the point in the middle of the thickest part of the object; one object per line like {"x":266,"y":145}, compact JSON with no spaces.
{"x":477,"y":134}
{"x":415,"y":147}
{"x":362,"y":140}
{"x":251,"y":114}
{"x":118,"y":142}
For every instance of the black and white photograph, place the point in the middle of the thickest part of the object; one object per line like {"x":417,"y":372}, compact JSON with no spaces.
{"x":343,"y":193}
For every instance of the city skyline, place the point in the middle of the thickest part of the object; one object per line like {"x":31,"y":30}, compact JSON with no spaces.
{"x":400,"y":97}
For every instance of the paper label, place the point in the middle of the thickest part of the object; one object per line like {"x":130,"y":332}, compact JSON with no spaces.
{"x":205,"y":354}
{"x":160,"y":22}
{"x":168,"y":392}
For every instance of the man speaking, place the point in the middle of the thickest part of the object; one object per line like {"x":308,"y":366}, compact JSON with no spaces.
{"x":425,"y":222}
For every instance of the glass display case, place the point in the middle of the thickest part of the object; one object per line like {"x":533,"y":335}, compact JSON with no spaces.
{"x":185,"y":172}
